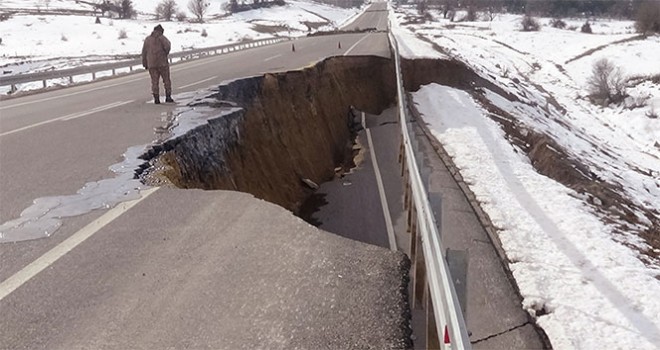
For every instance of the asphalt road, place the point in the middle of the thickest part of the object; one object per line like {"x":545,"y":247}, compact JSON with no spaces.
{"x":154,"y":275}
{"x":178,"y":268}
{"x":353,"y":206}
{"x":217,"y":270}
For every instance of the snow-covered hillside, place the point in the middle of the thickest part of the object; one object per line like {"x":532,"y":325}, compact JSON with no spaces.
{"x":572,"y":187}
{"x":33,"y":42}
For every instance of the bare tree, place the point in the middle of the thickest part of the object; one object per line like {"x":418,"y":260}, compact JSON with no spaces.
{"x":492,"y":8}
{"x":447,"y":7}
{"x":198,"y":8}
{"x":607,"y":83}
{"x":529,"y":24}
{"x":124,"y":8}
{"x":422,"y":7}
{"x":648,"y":18}
{"x":166,"y":9}
{"x":472,"y":14}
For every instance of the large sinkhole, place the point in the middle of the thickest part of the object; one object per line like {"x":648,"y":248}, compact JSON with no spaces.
{"x":288,"y":131}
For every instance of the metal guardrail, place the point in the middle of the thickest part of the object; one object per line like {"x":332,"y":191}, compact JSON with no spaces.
{"x":447,"y":328}
{"x":433,"y":288}
{"x":14,"y":80}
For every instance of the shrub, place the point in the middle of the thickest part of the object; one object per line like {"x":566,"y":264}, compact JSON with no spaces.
{"x":451,"y":15}
{"x":422,"y":7}
{"x":648,"y":18}
{"x":126,"y":9}
{"x":166,"y":9}
{"x":198,"y":8}
{"x":652,"y":114}
{"x":122,"y":34}
{"x":606,"y":83}
{"x":181,"y":16}
{"x":529,"y":24}
{"x":558,"y":23}
{"x":472,"y":14}
{"x":586,"y":28}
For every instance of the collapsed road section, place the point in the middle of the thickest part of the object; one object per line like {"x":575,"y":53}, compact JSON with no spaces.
{"x":290,"y":132}
{"x":279,"y":136}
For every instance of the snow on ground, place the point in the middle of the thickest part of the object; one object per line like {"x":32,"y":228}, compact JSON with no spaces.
{"x":32,"y":43}
{"x":576,"y":270}
{"x":141,"y":6}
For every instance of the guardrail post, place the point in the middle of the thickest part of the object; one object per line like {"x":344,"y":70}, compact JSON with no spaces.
{"x":184,"y":55}
{"x":432,"y":337}
{"x":419,"y":273}
{"x":407,"y":200}
{"x":71,"y":79}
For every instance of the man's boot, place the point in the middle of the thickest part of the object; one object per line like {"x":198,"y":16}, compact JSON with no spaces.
{"x":169,"y":99}
{"x":156,"y":99}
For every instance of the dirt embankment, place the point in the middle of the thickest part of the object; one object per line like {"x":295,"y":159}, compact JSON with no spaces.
{"x":545,"y":154}
{"x":292,"y":126}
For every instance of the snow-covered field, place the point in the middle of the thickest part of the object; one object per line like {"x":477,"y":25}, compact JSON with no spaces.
{"x":33,"y":43}
{"x":589,"y":277}
{"x":591,"y":280}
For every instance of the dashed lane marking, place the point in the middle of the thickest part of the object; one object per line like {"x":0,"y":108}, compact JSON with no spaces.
{"x":198,"y":82}
{"x":355,"y":45}
{"x":69,"y":117}
{"x":381,"y":188}
{"x":272,"y":57}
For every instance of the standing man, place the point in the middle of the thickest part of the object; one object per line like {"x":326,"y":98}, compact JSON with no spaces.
{"x":154,"y":58}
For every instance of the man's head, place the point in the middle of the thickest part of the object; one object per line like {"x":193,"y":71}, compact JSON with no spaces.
{"x":159,"y":28}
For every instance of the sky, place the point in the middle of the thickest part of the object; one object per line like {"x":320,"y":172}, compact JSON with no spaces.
{"x":587,"y":275}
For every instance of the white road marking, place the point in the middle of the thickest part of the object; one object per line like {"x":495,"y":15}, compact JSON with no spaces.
{"x":70,"y":94}
{"x":272,"y":57}
{"x":94,"y":110}
{"x":198,"y":82}
{"x":69,"y":117}
{"x":18,"y":279}
{"x":204,"y":60}
{"x":381,"y":189}
{"x":356,"y":44}
{"x":219,"y":57}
